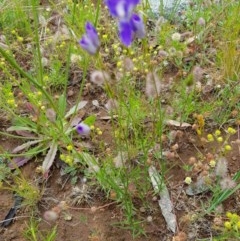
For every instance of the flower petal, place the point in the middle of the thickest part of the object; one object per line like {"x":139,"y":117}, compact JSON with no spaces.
{"x":121,"y":8}
{"x":125,"y":32}
{"x":90,"y":41}
{"x":138,"y":26}
{"x":91,"y":33}
{"x":83,"y":129}
{"x":86,"y":44}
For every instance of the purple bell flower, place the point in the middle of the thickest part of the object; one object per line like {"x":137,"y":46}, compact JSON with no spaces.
{"x":130,"y":24}
{"x":83,"y":129}
{"x":130,"y":29}
{"x":138,"y":26}
{"x":90,"y":41}
{"x":125,"y":32}
{"x":121,"y":9}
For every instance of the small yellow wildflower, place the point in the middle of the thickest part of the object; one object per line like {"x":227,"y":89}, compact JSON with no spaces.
{"x":69,"y":147}
{"x":210,"y":137}
{"x":20,"y":39}
{"x":43,"y":107}
{"x":227,"y":225}
{"x":11,"y":101}
{"x":235,"y":218}
{"x":119,"y":64}
{"x":105,"y":36}
{"x":238,"y":224}
{"x":220,"y":139}
{"x":62,"y":157}
{"x":228,"y":148}
{"x":217,"y":132}
{"x":188,"y":180}
{"x":212,"y":163}
{"x":228,"y":215}
{"x":99,"y":133}
{"x":231,"y":131}
{"x":69,"y":160}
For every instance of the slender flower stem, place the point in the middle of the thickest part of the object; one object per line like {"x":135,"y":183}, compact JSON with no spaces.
{"x":97,"y":13}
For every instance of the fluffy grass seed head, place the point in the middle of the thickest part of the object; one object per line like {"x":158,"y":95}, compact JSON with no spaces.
{"x":197,"y":74}
{"x":221,"y":167}
{"x":51,"y":215}
{"x":153,"y":85}
{"x":201,"y":22}
{"x":176,"y":37}
{"x":227,"y":183}
{"x":98,"y":77}
{"x":51,"y":115}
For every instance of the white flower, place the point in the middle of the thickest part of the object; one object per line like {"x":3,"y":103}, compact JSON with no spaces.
{"x":176,"y":37}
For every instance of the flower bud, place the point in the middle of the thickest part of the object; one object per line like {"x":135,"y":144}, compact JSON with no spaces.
{"x":83,"y":129}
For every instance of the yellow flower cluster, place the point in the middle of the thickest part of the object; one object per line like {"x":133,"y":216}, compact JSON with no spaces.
{"x":97,"y":130}
{"x":233,"y":223}
{"x":68,"y":159}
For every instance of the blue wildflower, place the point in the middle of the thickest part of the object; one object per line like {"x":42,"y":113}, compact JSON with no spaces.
{"x":130,"y":24}
{"x":90,"y":41}
{"x":83,"y":129}
{"x":125,"y":32}
{"x":121,"y":8}
{"x":138,"y":26}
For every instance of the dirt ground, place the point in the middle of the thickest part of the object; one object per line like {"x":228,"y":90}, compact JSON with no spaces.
{"x":99,"y":218}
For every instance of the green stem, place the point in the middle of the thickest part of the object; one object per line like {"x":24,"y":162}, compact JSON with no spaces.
{"x":97,"y":12}
{"x":37,"y":41}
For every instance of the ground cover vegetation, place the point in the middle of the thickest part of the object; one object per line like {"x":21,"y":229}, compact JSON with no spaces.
{"x":119,"y":123}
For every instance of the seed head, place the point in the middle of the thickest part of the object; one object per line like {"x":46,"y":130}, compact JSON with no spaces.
{"x":201,"y":22}
{"x":221,"y":167}
{"x":98,"y":77}
{"x":176,"y":37}
{"x":227,"y":183}
{"x":153,"y":85}
{"x":51,"y":215}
